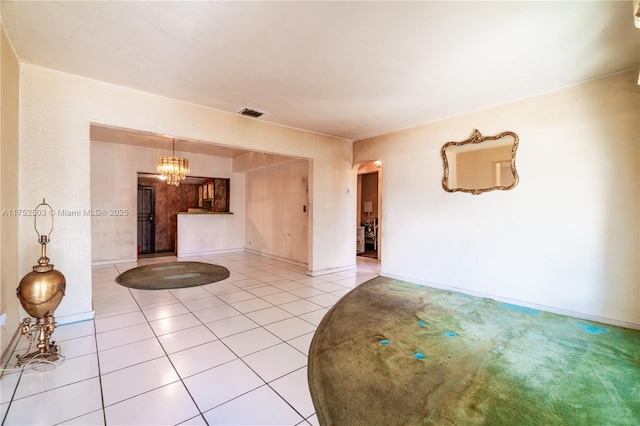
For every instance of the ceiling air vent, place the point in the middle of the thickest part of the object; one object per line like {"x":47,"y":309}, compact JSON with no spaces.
{"x":250,"y":112}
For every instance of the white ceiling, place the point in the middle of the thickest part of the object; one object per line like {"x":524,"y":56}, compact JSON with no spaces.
{"x":349,"y":69}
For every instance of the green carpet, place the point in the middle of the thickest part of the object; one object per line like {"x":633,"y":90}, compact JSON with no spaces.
{"x":168,"y":275}
{"x":396,"y":353}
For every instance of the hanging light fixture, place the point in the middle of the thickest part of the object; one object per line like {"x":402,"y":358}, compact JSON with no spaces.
{"x":173,"y":168}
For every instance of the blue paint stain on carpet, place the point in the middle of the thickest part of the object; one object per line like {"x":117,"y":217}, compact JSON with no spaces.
{"x":592,"y":328}
{"x":522,"y":309}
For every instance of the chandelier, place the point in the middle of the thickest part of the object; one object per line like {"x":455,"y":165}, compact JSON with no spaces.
{"x":173,"y":168}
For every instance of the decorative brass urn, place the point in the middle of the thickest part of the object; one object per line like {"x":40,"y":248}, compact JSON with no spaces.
{"x":40,"y":292}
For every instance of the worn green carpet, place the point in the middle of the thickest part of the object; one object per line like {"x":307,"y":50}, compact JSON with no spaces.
{"x":396,"y":353}
{"x":168,"y":275}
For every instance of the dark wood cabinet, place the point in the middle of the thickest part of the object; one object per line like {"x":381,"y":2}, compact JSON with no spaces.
{"x":213,"y":195}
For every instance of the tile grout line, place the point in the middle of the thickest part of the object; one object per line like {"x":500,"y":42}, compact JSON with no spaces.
{"x":177,"y":299}
{"x":220,"y":340}
{"x":170,"y":362}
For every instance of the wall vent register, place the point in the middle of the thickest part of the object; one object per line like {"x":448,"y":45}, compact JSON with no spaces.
{"x":250,"y":112}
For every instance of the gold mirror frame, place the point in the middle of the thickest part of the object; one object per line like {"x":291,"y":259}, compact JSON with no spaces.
{"x":477,"y":138}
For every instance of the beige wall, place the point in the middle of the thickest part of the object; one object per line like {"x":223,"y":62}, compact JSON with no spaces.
{"x":276,"y":223}
{"x":114,"y":183}
{"x":56,"y":112}
{"x":566,"y":238}
{"x":202,"y":234}
{"x":9,"y":274}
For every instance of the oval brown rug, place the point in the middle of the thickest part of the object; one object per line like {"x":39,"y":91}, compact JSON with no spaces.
{"x":164,"y":276}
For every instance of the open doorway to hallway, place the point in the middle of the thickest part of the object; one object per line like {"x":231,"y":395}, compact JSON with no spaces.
{"x":369,"y":210}
{"x":156,"y":216}
{"x":158,"y":206}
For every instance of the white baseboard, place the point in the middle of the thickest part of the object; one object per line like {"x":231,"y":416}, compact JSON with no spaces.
{"x":69,"y":319}
{"x":113,"y":261}
{"x":545,"y":308}
{"x":271,"y":256}
{"x":332,"y":270}
{"x":208,"y":253}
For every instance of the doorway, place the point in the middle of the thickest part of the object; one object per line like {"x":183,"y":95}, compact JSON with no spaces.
{"x":369,"y":210}
{"x":160,"y":203}
{"x":157,"y":222}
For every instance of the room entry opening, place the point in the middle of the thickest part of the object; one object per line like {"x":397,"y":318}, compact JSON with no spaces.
{"x":159,"y":205}
{"x":368,"y":218}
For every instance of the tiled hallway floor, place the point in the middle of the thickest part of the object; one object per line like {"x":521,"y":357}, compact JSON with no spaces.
{"x":228,"y":353}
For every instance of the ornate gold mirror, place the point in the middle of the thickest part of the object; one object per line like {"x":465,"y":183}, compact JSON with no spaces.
{"x":481,"y":163}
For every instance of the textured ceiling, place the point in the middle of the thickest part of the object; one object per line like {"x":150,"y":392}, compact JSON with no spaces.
{"x":349,"y":69}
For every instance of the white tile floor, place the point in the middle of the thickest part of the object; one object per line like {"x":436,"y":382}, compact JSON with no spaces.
{"x":228,"y":353}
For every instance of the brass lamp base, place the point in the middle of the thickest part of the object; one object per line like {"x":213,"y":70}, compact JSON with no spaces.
{"x":46,"y":350}
{"x":40,"y":292}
